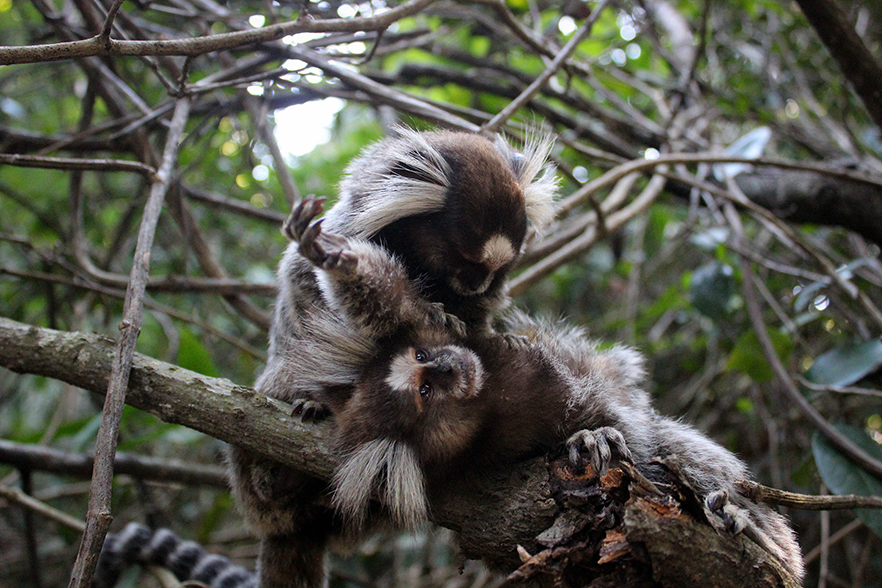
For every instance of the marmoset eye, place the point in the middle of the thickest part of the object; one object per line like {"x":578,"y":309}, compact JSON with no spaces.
{"x":421,"y":356}
{"x":425,"y":389}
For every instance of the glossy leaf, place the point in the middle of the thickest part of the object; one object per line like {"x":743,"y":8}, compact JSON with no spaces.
{"x":843,"y":476}
{"x":843,"y":366}
{"x":711,"y":288}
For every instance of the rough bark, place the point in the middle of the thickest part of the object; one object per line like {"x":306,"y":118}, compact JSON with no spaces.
{"x":808,"y":197}
{"x":858,"y":64}
{"x":580,"y":530}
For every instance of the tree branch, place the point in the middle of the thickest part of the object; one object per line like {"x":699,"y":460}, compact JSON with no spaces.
{"x":578,"y":528}
{"x":811,"y":197}
{"x":100,"y":46}
{"x":754,"y":311}
{"x":68,"y":163}
{"x":760,"y":493}
{"x":494,"y":125}
{"x":858,"y":64}
{"x":17,"y":496}
{"x":37,"y":457}
{"x":98,"y":515}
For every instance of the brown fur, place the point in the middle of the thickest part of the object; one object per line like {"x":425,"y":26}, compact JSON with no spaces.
{"x":426,"y":198}
{"x":535,"y":399}
{"x":557,"y":387}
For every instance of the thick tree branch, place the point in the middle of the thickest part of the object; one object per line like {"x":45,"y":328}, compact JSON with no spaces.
{"x":578,"y":529}
{"x":858,"y":64}
{"x":810,"y":197}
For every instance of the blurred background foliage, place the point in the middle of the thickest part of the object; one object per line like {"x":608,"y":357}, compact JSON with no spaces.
{"x":653,"y":76}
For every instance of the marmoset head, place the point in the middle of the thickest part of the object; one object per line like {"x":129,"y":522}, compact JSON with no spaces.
{"x":406,"y":415}
{"x":424,"y":395}
{"x":434,"y":374}
{"x":453,"y":206}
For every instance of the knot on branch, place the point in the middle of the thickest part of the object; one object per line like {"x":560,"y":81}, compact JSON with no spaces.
{"x":622,"y":530}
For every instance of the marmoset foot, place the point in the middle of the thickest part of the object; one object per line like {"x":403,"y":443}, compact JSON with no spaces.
{"x":598,"y":447}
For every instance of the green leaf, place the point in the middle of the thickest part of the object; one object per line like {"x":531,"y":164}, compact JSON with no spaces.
{"x":843,"y":476}
{"x":747,"y":356}
{"x":711,"y":288}
{"x":846,"y":365}
{"x":193,"y":355}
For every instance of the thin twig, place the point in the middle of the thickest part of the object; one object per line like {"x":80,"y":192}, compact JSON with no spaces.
{"x":620,"y":171}
{"x":85,"y":284}
{"x":512,"y":23}
{"x":754,"y":311}
{"x":19,"y":497}
{"x":40,"y":458}
{"x":760,"y":493}
{"x":512,"y":107}
{"x":379,"y":92}
{"x":234,"y":205}
{"x":108,"y":23}
{"x":27,"y":488}
{"x":211,"y":266}
{"x":96,"y":46}
{"x":616,"y":198}
{"x":839,"y":389}
{"x":834,"y":538}
{"x":70,"y":163}
{"x":787,"y":234}
{"x":591,"y":235}
{"x":98,"y":515}
{"x":258,"y":111}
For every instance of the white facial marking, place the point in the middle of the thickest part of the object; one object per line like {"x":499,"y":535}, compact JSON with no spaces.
{"x":403,"y":372}
{"x":477,"y":376}
{"x":497,"y":252}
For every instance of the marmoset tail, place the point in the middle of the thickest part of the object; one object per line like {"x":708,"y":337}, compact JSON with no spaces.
{"x":187,"y":560}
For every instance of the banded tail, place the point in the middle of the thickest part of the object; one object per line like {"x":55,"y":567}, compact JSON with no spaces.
{"x":187,"y":560}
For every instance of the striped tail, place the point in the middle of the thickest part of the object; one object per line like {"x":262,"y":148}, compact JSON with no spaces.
{"x":187,"y":560}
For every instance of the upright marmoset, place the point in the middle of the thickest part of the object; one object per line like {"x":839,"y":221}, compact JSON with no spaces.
{"x":454,"y":208}
{"x":433,"y":404}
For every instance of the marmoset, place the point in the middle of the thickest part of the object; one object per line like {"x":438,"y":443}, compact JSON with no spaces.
{"x":433,"y":404}
{"x":436,"y":402}
{"x":454,"y":209}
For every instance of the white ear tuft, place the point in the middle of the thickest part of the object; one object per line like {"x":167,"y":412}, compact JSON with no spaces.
{"x":373,"y":195}
{"x":535,"y":175}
